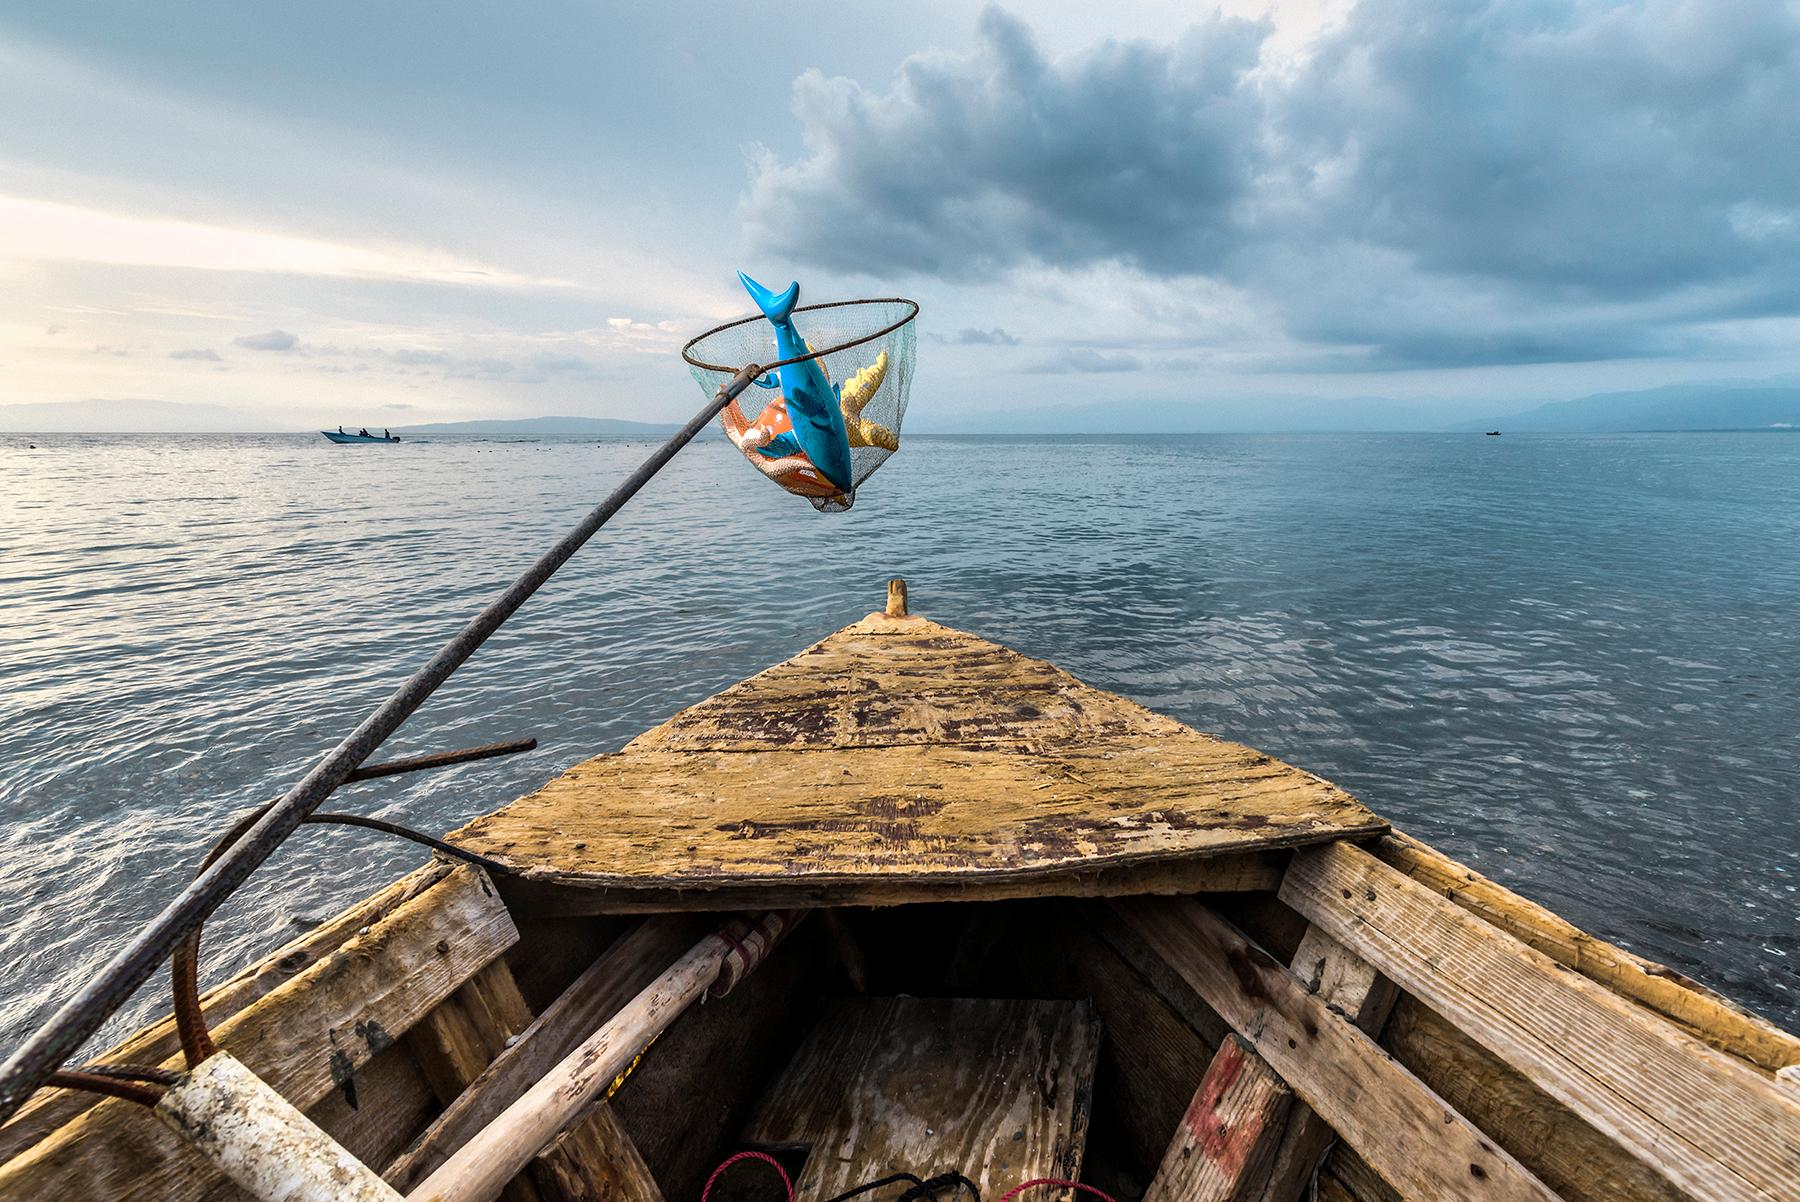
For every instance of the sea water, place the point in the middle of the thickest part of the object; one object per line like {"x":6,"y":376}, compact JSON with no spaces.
{"x":1569,"y":661}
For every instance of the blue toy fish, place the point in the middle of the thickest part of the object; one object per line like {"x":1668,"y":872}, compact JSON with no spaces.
{"x":813,"y":404}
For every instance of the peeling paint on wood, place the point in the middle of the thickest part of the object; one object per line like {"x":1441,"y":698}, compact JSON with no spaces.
{"x":898,"y":757}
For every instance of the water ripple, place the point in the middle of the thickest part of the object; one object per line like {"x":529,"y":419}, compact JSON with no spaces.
{"x":1567,"y":660}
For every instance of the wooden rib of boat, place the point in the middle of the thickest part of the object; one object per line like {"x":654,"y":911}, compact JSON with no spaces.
{"x":1047,"y":933}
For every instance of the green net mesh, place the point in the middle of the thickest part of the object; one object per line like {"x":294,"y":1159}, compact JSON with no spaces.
{"x":865,"y":347}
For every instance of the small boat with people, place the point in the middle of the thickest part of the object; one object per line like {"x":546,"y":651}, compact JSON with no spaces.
{"x":913,"y":916}
{"x":361,"y":435}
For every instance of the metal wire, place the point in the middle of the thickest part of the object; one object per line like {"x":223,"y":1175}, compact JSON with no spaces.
{"x":912,"y":312}
{"x":81,"y":1015}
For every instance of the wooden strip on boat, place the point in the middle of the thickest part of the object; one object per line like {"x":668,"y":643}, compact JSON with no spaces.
{"x":1226,"y":1140}
{"x":1156,"y":1048}
{"x":1347,"y":984}
{"x":593,"y":997}
{"x":1703,"y":1120}
{"x":1683,"y":1001}
{"x":1565,"y":1151}
{"x":898,"y":757}
{"x":996,"y":1089}
{"x":306,"y":1038}
{"x":464,"y":1036}
{"x":1408,"y":1133}
{"x":49,"y":1109}
{"x":1241,"y":872}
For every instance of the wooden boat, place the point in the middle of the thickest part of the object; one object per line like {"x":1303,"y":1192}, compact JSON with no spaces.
{"x":1002,"y":924}
{"x":340,"y":436}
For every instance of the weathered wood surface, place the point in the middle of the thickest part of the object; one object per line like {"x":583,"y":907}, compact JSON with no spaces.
{"x":1347,"y":984}
{"x":1411,"y":1136}
{"x":551,"y":1105}
{"x":1702,"y":1119}
{"x":51,"y":1108}
{"x":1158,"y":1039}
{"x":1175,"y":878}
{"x":593,"y":997}
{"x":893,"y":759}
{"x":461,"y":1039}
{"x":1227,"y":1138}
{"x":306,"y":1038}
{"x":1565,"y":1152}
{"x":594,"y":1161}
{"x":998,"y":1090}
{"x":1687,"y":1003}
{"x":693,"y":1091}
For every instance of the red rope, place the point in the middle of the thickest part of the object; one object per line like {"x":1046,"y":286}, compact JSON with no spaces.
{"x":762,"y":1156}
{"x":1016,"y":1190}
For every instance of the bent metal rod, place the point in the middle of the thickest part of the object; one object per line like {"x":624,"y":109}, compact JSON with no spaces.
{"x":80,"y":1016}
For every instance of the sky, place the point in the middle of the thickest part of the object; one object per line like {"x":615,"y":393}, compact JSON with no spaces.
{"x":1145,"y":215}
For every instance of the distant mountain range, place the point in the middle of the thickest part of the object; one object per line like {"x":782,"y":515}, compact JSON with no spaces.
{"x":1772,"y":404}
{"x":544,"y":425}
{"x":1676,"y":407}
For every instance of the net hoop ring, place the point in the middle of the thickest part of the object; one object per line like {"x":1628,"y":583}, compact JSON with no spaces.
{"x":884,"y":331}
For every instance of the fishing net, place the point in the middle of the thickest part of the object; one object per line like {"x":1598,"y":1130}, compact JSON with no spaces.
{"x":866,"y":351}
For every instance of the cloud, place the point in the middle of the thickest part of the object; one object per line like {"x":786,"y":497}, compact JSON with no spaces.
{"x":1133,"y":151}
{"x":974,"y":337}
{"x":1083,"y":359}
{"x":202,"y":354}
{"x":1428,"y":184}
{"x":274,"y":340}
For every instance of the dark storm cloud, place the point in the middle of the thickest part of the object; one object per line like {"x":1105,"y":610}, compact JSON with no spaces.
{"x":1545,"y":180}
{"x":1134,"y":151}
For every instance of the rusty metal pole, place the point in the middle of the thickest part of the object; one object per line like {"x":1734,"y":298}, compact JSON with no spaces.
{"x":80,"y":1016}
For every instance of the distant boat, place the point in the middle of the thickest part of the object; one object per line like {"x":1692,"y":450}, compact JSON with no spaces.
{"x":340,"y":436}
{"x":1493,"y":433}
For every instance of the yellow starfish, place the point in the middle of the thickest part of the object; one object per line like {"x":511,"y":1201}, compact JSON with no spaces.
{"x":859,"y":391}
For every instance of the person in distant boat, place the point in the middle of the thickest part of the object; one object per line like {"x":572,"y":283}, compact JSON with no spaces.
{"x":364,"y":432}
{"x":384,"y":432}
{"x":340,"y":427}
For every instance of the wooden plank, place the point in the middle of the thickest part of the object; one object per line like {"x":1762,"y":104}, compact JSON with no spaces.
{"x":895,"y":760}
{"x":306,"y":1038}
{"x":1159,"y":1037}
{"x":1232,"y":873}
{"x":552,"y":1103}
{"x":886,"y":683}
{"x":1566,"y":1153}
{"x":1685,"y":1002}
{"x":1349,"y":985}
{"x":997,"y":1088}
{"x":595,"y":996}
{"x":595,"y":1161}
{"x":460,"y":1038}
{"x":51,"y":1108}
{"x":1703,"y":1120}
{"x":1409,"y":1134}
{"x":916,"y":816}
{"x":693,"y":1091}
{"x":1226,"y":1140}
